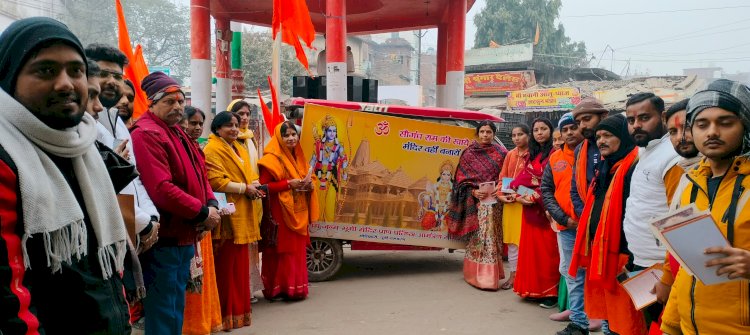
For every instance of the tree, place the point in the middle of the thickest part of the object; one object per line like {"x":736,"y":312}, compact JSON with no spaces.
{"x":257,"y":47}
{"x":159,"y":26}
{"x":515,"y":21}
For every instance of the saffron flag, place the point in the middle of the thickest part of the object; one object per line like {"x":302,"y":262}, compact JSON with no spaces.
{"x":136,"y":69}
{"x":494,"y":44}
{"x":536,"y":35}
{"x":271,"y":118}
{"x":292,"y":18}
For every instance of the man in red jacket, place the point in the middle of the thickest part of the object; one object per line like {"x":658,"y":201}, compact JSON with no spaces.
{"x":177,"y":184}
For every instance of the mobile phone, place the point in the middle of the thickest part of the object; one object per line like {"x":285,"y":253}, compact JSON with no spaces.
{"x":263,"y":188}
{"x":230,"y":208}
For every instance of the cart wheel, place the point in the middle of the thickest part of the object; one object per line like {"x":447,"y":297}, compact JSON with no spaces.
{"x":324,"y":258}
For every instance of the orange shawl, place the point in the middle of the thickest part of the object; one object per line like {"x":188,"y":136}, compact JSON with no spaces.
{"x":582,"y":163}
{"x":602,"y":259}
{"x":299,"y":208}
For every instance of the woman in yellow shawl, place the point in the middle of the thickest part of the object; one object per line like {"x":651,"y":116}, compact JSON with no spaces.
{"x":248,"y":140}
{"x":294,"y":205}
{"x":229,"y":172}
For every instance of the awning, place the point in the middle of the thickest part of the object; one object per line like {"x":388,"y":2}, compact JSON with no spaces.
{"x":478,"y":103}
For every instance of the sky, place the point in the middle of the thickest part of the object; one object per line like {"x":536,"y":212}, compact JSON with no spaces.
{"x":682,"y":34}
{"x":656,"y":37}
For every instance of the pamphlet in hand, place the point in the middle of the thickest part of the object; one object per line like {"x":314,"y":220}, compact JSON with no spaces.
{"x":506,"y":186}
{"x":523,"y":191}
{"x":223,"y":204}
{"x":489,"y":189}
{"x":639,"y":285}
{"x":687,"y":232}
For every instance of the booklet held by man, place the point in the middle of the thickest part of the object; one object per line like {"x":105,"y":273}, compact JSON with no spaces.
{"x":640,"y":284}
{"x":687,"y":233}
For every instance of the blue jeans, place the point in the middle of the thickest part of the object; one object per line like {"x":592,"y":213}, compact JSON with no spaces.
{"x":166,"y":270}
{"x":566,"y":240}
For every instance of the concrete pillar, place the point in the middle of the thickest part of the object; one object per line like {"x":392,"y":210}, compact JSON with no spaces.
{"x":442,"y":50}
{"x":454,"y":79}
{"x":223,"y":58}
{"x":200,"y":58}
{"x":336,"y":50}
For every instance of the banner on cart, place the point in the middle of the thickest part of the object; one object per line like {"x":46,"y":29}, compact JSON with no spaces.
{"x":382,"y":178}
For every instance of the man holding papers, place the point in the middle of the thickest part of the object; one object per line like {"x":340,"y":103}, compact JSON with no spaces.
{"x":720,"y":121}
{"x":600,"y":243}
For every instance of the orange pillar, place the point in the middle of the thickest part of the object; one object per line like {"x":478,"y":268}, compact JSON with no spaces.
{"x":223,"y":61}
{"x":454,"y":79}
{"x":442,"y":50}
{"x":200,"y":57}
{"x":336,"y":50}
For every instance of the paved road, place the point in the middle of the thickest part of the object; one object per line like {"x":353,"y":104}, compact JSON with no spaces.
{"x":397,"y":292}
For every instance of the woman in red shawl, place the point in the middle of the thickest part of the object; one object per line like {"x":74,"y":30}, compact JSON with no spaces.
{"x":294,"y":204}
{"x":537,"y":276}
{"x":479,"y":223}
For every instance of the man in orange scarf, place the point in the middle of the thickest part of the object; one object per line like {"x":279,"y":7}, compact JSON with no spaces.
{"x":600,"y":243}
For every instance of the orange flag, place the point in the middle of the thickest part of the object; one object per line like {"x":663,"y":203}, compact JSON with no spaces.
{"x":267,"y":116}
{"x":292,"y":18}
{"x":136,"y":69}
{"x":536,"y":34}
{"x":277,"y":118}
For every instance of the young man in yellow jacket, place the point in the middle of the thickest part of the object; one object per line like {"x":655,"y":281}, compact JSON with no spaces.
{"x":720,"y":121}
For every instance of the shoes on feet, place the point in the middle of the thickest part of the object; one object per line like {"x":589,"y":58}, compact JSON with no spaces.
{"x":562,"y":316}
{"x":595,"y":325}
{"x":140,"y":324}
{"x":253,"y":300}
{"x":548,"y":303}
{"x":573,"y":329}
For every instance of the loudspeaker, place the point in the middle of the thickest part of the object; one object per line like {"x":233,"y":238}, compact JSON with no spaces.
{"x":354,"y":89}
{"x":370,"y":90}
{"x":304,"y":87}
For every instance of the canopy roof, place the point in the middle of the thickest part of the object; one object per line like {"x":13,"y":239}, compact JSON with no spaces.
{"x":363,"y":16}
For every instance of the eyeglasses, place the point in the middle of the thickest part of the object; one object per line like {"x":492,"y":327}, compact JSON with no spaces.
{"x":105,"y":73}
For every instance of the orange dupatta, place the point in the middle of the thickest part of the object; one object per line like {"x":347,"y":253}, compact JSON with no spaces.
{"x":581,"y":166}
{"x":279,"y":161}
{"x":602,"y":259}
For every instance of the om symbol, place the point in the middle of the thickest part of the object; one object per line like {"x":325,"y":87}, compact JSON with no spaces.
{"x":382,"y":128}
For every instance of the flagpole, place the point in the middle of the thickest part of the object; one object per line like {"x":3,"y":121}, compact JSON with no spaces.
{"x":276,"y":64}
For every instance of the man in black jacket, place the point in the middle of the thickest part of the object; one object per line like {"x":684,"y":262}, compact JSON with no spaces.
{"x":63,"y":241}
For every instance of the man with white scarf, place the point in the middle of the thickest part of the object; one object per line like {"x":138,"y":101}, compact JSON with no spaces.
{"x":63,"y":238}
{"x":112,"y":132}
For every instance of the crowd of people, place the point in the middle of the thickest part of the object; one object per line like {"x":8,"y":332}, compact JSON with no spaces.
{"x":122,"y":218}
{"x":130,"y":220}
{"x":576,"y":211}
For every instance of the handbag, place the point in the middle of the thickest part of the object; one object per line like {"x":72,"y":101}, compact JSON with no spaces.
{"x":269,"y":228}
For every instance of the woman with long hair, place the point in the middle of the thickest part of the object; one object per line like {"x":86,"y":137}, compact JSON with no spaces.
{"x":294,"y":204}
{"x":471,"y":219}
{"x":229,"y":172}
{"x":202,"y":308}
{"x":537,"y":276}
{"x":512,"y":211}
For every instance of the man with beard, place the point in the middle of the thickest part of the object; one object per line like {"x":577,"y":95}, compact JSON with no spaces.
{"x":719,"y":118}
{"x":648,"y":197}
{"x":113,"y":133}
{"x":63,"y":238}
{"x":125,"y":105}
{"x":587,"y":114}
{"x":556,"y":182}
{"x":178,"y":184}
{"x":600,"y":244}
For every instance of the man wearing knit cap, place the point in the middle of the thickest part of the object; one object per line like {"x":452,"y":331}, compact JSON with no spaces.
{"x":719,"y":117}
{"x":556,"y":182}
{"x":587,"y":114}
{"x":178,"y":185}
{"x":600,"y":243}
{"x":63,"y":239}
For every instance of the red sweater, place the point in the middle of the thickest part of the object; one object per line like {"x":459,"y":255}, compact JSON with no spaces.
{"x":173,"y":174}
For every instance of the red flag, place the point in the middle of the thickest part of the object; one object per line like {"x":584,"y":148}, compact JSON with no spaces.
{"x":267,"y":116}
{"x":277,"y":117}
{"x":136,"y":69}
{"x":292,"y":17}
